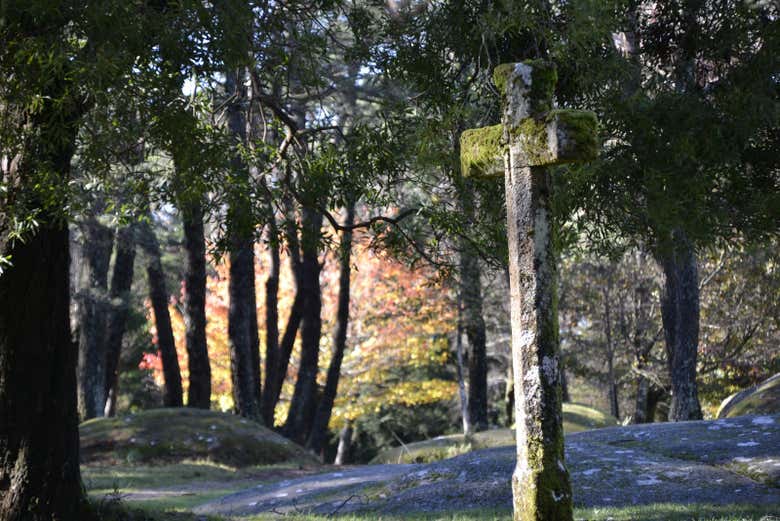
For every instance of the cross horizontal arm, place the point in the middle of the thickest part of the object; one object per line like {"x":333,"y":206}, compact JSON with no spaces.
{"x":481,"y":152}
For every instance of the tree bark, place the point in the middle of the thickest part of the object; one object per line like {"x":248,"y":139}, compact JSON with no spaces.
{"x":199,"y":391}
{"x":121,"y":283}
{"x":461,"y":372}
{"x":345,"y":445}
{"x":158,"y":294}
{"x":272,"y":355}
{"x":473,"y":321}
{"x":612,"y":391}
{"x":319,"y":428}
{"x":680,"y":315}
{"x":92,"y":316}
{"x":302,"y":406}
{"x":40,"y":478}
{"x":242,"y":314}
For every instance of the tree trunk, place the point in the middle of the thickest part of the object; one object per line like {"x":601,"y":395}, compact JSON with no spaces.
{"x":509,"y":395}
{"x":345,"y":445}
{"x":473,"y":322}
{"x":565,"y":396}
{"x":612,"y":395}
{"x":242,"y":314}
{"x":272,"y":355}
{"x":158,"y":294}
{"x":461,"y":373}
{"x":199,"y":392}
{"x":92,"y":316}
{"x":642,"y":403}
{"x":299,"y":419}
{"x":680,"y":314}
{"x":40,"y":478}
{"x":121,"y":283}
{"x":325,"y":407}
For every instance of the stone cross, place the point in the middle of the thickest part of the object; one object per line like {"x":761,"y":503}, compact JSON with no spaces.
{"x":532,"y":137}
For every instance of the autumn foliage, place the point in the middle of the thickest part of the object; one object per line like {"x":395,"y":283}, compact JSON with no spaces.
{"x":401,"y":322}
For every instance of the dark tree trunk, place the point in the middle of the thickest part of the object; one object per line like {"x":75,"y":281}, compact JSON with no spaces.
{"x":642,"y":413}
{"x":158,"y":294}
{"x":565,"y":396}
{"x":121,"y":283}
{"x":39,"y":440}
{"x":612,"y":392}
{"x":474,"y":325}
{"x":242,"y":313}
{"x":473,"y":322}
{"x":272,"y":355}
{"x":296,"y":312}
{"x":199,"y":392}
{"x":299,"y":419}
{"x":345,"y":445}
{"x":92,"y":317}
{"x":680,"y":314}
{"x":319,"y":428}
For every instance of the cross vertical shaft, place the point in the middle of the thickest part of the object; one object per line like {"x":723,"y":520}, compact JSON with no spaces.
{"x":532,"y":137}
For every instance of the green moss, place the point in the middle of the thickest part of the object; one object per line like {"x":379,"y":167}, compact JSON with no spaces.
{"x":501,"y":76}
{"x":481,"y":151}
{"x":764,"y":399}
{"x":172,"y":435}
{"x":576,"y":132}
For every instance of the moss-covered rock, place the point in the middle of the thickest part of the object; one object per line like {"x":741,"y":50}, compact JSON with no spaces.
{"x":481,"y":151}
{"x":563,"y":136}
{"x":763,"y":398}
{"x":177,"y":434}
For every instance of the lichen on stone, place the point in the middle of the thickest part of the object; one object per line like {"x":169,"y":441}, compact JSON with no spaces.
{"x":481,"y":151}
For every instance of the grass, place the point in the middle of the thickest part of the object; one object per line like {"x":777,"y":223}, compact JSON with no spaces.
{"x":173,"y":435}
{"x":576,"y":418}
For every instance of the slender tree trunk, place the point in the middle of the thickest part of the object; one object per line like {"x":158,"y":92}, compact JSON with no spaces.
{"x":473,"y":322}
{"x":319,"y":428}
{"x":612,"y":395}
{"x":199,"y":391}
{"x":565,"y":396}
{"x":509,"y":395}
{"x":302,"y":406}
{"x":242,"y":313}
{"x":680,"y":314}
{"x":93,"y":313}
{"x":40,"y":478}
{"x":121,"y":283}
{"x":158,"y":294}
{"x":272,"y":355}
{"x":461,"y":374}
{"x":345,"y":445}
{"x":641,"y":407}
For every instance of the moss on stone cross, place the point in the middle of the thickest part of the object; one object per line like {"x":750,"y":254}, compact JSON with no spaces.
{"x":531,"y":137}
{"x":481,"y":152}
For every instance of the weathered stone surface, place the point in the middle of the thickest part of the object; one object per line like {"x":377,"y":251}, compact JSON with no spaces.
{"x":723,"y":462}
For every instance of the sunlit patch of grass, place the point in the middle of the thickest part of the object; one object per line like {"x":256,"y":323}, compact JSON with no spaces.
{"x":576,"y":418}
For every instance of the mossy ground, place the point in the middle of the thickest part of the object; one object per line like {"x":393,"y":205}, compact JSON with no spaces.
{"x":175,"y":435}
{"x":576,"y":418}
